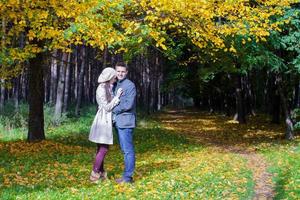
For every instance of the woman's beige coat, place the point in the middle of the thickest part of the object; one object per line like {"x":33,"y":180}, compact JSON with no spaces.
{"x":101,"y":130}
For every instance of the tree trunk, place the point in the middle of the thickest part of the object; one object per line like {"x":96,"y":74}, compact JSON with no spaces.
{"x":296,"y":93}
{"x":288,"y":120}
{"x":47,"y":84}
{"x":193,"y":83}
{"x":226,"y":105}
{"x":67,"y":84}
{"x":2,"y":95}
{"x":274,"y":98}
{"x":53,"y":85}
{"x":159,"y":95}
{"x":24,"y":85}
{"x":60,"y":90}
{"x":240,"y":115}
{"x":139,"y":84}
{"x":80,"y":80}
{"x":75,"y":76}
{"x":147,"y":82}
{"x":16,"y":92}
{"x":157,"y":76}
{"x":87,"y":81}
{"x":36,"y":99}
{"x":250,"y":97}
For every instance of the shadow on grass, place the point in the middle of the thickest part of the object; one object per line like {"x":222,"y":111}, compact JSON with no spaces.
{"x":60,"y":163}
{"x":219,"y":130}
{"x":67,"y":161}
{"x":145,"y":139}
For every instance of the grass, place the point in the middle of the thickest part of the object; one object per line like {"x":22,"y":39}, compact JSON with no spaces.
{"x":285,"y":159}
{"x":168,"y":167}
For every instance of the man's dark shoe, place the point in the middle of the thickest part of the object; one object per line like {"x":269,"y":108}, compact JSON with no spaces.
{"x":121,"y":180}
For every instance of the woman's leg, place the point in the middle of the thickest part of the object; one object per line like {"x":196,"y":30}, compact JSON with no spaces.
{"x":99,"y":160}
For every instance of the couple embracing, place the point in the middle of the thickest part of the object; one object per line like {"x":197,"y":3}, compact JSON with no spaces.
{"x":116,"y":106}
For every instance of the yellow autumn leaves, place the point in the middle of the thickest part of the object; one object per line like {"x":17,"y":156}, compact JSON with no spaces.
{"x":206,"y":22}
{"x":59,"y":24}
{"x":102,"y":23}
{"x":168,"y":166}
{"x":221,"y":130}
{"x":166,"y":172}
{"x":23,"y":148}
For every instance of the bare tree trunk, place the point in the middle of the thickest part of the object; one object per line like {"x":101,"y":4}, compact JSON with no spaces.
{"x":289,"y":134}
{"x":36,"y":99}
{"x":152,"y":75}
{"x":87,"y":80}
{"x":91,"y":82}
{"x":139,"y":84}
{"x":274,"y":96}
{"x":60,"y":90}
{"x":47,"y":83}
{"x":53,"y":77}
{"x":24,"y":85}
{"x":67,"y":84}
{"x":226,"y":105}
{"x":2,"y":95}
{"x":240,"y":101}
{"x":250,"y":98}
{"x":16,"y":92}
{"x":159,"y":96}
{"x":297,"y":93}
{"x":80,"y":80}
{"x":76,"y":72}
{"x":156,"y":83}
{"x":47,"y":79}
{"x":146,"y":81}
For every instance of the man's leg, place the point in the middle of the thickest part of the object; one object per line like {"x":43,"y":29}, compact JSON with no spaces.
{"x":127,"y":146}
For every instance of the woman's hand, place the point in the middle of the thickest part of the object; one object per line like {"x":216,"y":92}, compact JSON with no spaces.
{"x":119,"y":92}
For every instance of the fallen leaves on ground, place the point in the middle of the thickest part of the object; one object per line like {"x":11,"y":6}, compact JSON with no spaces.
{"x":169,"y":166}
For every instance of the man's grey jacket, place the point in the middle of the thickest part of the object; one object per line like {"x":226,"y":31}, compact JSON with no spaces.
{"x":125,"y":112}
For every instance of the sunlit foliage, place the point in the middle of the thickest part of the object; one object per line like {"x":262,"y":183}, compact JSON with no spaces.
{"x":29,"y":27}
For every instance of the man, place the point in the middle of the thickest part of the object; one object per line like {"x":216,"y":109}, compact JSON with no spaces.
{"x":124,"y":115}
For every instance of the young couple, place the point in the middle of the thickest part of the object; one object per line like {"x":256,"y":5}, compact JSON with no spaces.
{"x":116,"y":105}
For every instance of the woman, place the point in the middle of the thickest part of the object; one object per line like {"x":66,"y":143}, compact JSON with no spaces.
{"x":101,"y":130}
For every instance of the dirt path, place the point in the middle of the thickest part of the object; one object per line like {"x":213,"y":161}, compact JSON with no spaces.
{"x":263,"y":189}
{"x":225,"y":135}
{"x":263,"y":180}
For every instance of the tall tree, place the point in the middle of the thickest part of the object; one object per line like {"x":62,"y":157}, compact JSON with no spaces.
{"x":36,"y":99}
{"x":80,"y":80}
{"x":67,"y":84}
{"x":53,"y":76}
{"x":16,"y":92}
{"x":60,"y":89}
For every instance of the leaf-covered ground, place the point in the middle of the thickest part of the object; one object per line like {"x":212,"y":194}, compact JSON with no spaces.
{"x":180,"y":155}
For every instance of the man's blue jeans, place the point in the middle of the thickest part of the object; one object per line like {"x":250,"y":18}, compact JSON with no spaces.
{"x":127,"y":147}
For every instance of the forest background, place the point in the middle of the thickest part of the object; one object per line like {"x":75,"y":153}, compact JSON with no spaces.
{"x":238,"y":58}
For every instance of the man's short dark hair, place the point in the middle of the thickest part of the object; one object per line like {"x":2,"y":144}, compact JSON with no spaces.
{"x":122,"y":64}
